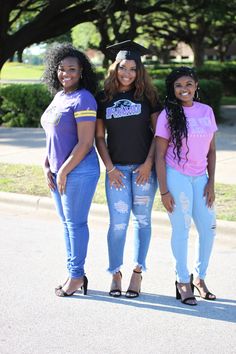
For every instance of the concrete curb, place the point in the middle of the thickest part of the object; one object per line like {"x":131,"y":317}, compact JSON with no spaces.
{"x":226,"y":228}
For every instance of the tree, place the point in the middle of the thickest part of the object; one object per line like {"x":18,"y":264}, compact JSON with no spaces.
{"x":200,"y":24}
{"x":197,"y":23}
{"x":25,"y":22}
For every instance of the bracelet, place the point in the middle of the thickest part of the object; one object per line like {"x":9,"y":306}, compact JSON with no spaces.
{"x":113,"y":168}
{"x":164,"y":193}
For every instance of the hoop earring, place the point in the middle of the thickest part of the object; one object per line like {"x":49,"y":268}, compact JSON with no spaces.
{"x":196,"y":95}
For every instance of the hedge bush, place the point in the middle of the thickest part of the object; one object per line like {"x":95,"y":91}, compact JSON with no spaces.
{"x":23,"y":104}
{"x":225,"y":73}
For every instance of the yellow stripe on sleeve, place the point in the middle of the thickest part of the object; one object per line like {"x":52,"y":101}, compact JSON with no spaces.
{"x":88,"y":113}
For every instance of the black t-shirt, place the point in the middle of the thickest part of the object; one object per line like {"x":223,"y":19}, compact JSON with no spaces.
{"x":128,"y":125}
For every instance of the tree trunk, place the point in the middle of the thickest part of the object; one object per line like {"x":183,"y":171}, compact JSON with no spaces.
{"x":198,"y":51}
{"x":20,"y":55}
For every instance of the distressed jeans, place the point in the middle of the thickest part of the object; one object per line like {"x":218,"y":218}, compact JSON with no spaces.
{"x":190,"y":203}
{"x":73,"y":208}
{"x":139,"y":199}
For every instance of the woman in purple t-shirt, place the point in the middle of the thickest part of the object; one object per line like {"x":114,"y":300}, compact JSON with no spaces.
{"x":185,"y":164}
{"x":71,"y":165}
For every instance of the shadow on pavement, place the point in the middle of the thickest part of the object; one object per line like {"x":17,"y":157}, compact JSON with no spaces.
{"x":220,"y":309}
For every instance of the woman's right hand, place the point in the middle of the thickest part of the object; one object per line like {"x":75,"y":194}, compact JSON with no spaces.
{"x":49,"y":178}
{"x":115,"y":178}
{"x":168,"y":202}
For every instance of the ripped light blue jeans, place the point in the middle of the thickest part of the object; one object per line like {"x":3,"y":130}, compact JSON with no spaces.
{"x":187,"y":192}
{"x":139,"y":199}
{"x":73,"y":208}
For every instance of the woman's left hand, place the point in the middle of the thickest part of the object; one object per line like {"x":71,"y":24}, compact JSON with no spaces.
{"x":61,"y":182}
{"x":143,"y":172}
{"x":209,"y":193}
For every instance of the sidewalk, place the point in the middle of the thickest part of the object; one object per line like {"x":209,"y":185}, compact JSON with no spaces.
{"x":27,"y":146}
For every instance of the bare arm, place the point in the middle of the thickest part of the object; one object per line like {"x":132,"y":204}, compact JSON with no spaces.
{"x":85,"y":131}
{"x":209,"y":191}
{"x":166,"y":197}
{"x":48,"y":174}
{"x":144,"y":170}
{"x":101,"y":144}
{"x":115,"y":176}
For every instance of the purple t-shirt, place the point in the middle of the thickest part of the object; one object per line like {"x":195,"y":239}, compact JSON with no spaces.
{"x":201,"y":128}
{"x":60,"y":123}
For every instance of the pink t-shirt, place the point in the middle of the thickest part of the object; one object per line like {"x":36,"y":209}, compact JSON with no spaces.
{"x":201,"y":128}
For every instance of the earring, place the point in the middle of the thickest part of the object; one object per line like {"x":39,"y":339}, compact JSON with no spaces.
{"x":196,"y":95}
{"x":81,"y":76}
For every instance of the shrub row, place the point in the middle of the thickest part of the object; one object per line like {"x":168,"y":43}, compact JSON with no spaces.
{"x":224,"y":73}
{"x":23,"y":105}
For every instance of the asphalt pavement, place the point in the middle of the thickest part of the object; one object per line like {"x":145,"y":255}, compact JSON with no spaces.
{"x":32,"y":261}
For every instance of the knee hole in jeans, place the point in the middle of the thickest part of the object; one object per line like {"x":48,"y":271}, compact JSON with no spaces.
{"x":142,"y":220}
{"x":141,"y":200}
{"x":120,"y":227}
{"x":121,"y":207}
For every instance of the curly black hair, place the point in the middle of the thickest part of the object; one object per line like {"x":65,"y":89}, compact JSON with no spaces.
{"x":55,"y":54}
{"x":177,"y":121}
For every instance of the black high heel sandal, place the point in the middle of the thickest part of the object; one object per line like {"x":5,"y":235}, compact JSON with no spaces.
{"x":184,"y":301}
{"x":208,"y":294}
{"x":84,"y":287}
{"x":133,"y":293}
{"x":115,"y":292}
{"x":61,"y":286}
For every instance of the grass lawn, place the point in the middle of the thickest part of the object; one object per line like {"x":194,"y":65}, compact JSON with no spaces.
{"x":19,"y":71}
{"x":228,"y":100}
{"x":27,"y":179}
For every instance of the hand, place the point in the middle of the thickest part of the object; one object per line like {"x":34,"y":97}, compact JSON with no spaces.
{"x":143,"y":172}
{"x":115,"y":178}
{"x":61,"y":182}
{"x":168,"y":202}
{"x":49,"y":178}
{"x":209,"y":193}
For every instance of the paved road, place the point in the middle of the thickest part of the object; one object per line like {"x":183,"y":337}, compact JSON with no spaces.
{"x":34,"y":321}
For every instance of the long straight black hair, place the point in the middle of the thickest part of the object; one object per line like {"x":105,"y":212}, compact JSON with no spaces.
{"x":177,"y":121}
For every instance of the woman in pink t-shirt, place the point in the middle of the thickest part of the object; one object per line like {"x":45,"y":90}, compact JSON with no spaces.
{"x":185,"y":164}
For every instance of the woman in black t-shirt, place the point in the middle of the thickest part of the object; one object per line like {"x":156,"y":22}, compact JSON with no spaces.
{"x":127,"y":112}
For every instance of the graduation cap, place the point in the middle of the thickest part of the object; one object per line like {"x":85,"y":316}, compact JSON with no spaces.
{"x":128,"y":50}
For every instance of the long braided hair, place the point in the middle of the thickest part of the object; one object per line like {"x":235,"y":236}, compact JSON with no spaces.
{"x":177,"y":121}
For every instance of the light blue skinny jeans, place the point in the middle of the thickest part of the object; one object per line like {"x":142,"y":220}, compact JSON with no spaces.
{"x":190,"y":203}
{"x":139,"y":199}
{"x":73,"y":208}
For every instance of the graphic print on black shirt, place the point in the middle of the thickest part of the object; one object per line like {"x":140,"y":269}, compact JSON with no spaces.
{"x":123,"y":108}
{"x":128,"y":125}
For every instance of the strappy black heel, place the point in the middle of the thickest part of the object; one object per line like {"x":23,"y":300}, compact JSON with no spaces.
{"x":61,"y":286}
{"x":209,"y":296}
{"x":133,"y":293}
{"x":116,"y":292}
{"x":184,"y":301}
{"x":84,"y":287}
